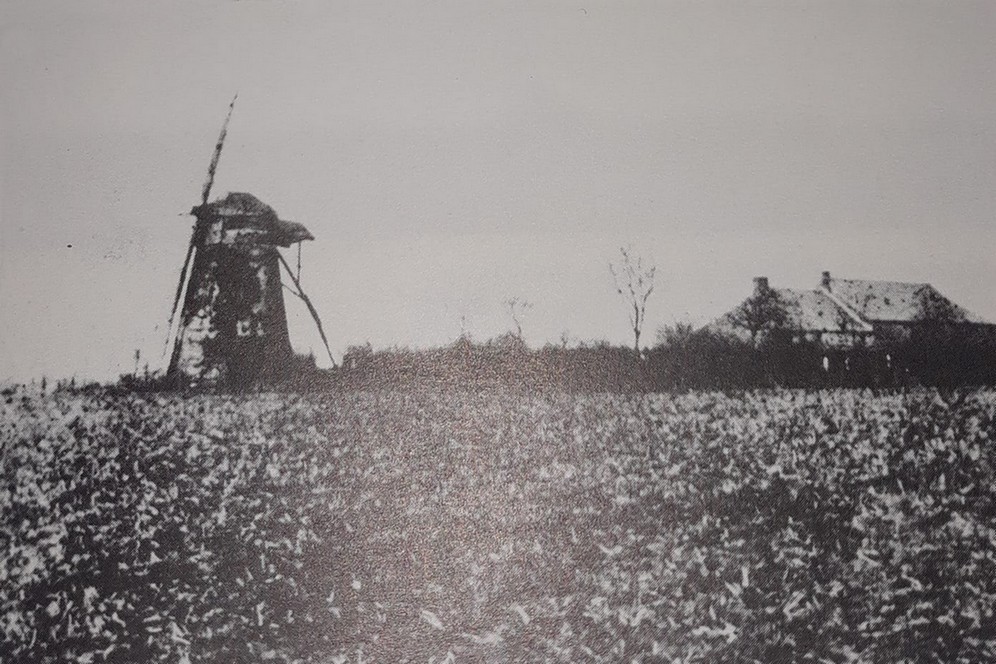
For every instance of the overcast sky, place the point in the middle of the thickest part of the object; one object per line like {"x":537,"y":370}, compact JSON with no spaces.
{"x":449,"y":156}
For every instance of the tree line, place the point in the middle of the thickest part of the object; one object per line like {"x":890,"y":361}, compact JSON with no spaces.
{"x":938,"y":349}
{"x":681,"y":359}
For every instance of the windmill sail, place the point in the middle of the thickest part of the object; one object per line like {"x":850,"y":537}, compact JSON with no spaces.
{"x":307,"y":301}
{"x":179,"y":293}
{"x":191,"y":247}
{"x":206,"y":191}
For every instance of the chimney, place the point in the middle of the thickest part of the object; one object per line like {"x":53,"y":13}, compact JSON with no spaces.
{"x":826,"y":280}
{"x":760,"y":285}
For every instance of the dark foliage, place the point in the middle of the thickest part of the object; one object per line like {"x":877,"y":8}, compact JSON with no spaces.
{"x":505,"y":362}
{"x":929,"y":354}
{"x":941,"y":355}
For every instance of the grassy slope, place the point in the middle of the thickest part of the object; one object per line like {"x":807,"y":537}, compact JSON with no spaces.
{"x":773,"y":526}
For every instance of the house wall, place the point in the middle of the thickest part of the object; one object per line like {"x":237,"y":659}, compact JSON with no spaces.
{"x":843,"y":340}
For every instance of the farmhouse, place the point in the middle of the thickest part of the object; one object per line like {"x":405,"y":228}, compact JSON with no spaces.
{"x":843,"y":313}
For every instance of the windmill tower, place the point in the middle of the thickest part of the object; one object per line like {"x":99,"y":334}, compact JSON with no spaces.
{"x":232,"y":325}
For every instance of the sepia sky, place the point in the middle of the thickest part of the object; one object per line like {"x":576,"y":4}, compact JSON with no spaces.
{"x":450,"y":155}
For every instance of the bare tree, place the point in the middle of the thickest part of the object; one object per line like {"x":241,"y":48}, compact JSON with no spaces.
{"x":516,"y":307}
{"x":635,"y":283}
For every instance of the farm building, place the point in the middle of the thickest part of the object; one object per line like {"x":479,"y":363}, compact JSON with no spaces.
{"x":843,"y":313}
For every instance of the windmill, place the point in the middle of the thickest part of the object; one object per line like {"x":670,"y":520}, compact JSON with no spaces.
{"x":231,"y":324}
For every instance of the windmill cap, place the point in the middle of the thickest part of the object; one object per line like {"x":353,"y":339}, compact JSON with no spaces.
{"x":239,"y":209}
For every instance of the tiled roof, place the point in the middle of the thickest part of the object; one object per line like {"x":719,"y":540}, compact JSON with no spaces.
{"x":814,"y":310}
{"x":895,"y":301}
{"x":850,"y":306}
{"x":805,"y":310}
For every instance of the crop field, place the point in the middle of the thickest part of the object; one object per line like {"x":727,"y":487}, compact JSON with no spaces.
{"x":447,"y":526}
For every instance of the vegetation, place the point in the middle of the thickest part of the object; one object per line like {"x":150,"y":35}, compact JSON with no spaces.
{"x":946,"y":356}
{"x":454,"y":525}
{"x":763,"y":311}
{"x":502,"y":362}
{"x":940,"y":356}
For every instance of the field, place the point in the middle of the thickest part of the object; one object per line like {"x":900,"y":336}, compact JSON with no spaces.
{"x":447,"y":526}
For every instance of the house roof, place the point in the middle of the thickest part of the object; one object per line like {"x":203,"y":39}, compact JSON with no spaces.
{"x":896,"y":301}
{"x":805,"y":310}
{"x":814,"y":310}
{"x":849,"y":306}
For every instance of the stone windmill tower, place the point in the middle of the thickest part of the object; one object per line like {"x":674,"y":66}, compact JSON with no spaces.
{"x":232,"y":325}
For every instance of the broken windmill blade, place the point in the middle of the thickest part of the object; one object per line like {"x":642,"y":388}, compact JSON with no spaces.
{"x":311,"y":308}
{"x":205,"y":192}
{"x":232,"y":323}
